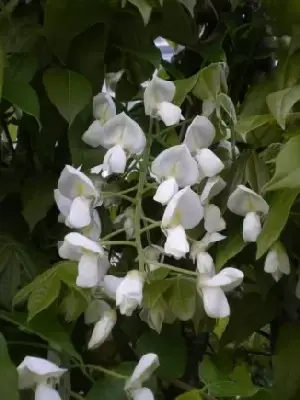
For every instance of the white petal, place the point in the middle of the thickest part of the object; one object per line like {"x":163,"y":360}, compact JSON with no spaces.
{"x":68,"y":251}
{"x":251,"y":227}
{"x":44,"y":392}
{"x":142,"y":394}
{"x":203,"y":244}
{"x":184,"y":209}
{"x":165,"y":191}
{"x":74,"y":183}
{"x":169,"y":113}
{"x":147,"y":364}
{"x":178,"y":163}
{"x":92,"y":136}
{"x":104,"y":107}
{"x":157,"y":91}
{"x":209,"y":163}
{"x":80,"y":213}
{"x":129,"y":293}
{"x":88,"y":271}
{"x":110,"y":285}
{"x":82,"y":243}
{"x":200,"y":134}
{"x":124,"y":131}
{"x":176,"y":243}
{"x":213,"y":222}
{"x":205,"y":264}
{"x":103,"y":266}
{"x":277,"y":261}
{"x":95,"y":311}
{"x":115,"y":160}
{"x":215,"y":302}
{"x":244,"y":200}
{"x":93,"y":231}
{"x":102,"y":329}
{"x":63,"y":203}
{"x":97,"y":169}
{"x":212,"y":188}
{"x":227,"y":279}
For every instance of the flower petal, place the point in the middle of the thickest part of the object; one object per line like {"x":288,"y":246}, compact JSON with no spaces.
{"x":147,"y":364}
{"x":213,"y":222}
{"x":63,"y":202}
{"x":165,"y":191}
{"x":104,"y":107}
{"x":142,"y":394}
{"x":45,"y":392}
{"x":92,"y":136}
{"x":115,"y":160}
{"x":212,"y":188}
{"x":227,"y":279}
{"x":80,"y":213}
{"x":205,"y":264}
{"x":93,"y":231}
{"x":80,"y":242}
{"x":209,"y":163}
{"x":215,"y":302}
{"x":169,"y":113}
{"x":157,"y":91}
{"x":200,"y":134}
{"x":244,"y":200}
{"x":95,"y":311}
{"x":176,"y":243}
{"x":88,"y":271}
{"x":102,"y":329}
{"x":74,"y":183}
{"x":129,"y":293}
{"x":110,"y":285}
{"x":251,"y":227}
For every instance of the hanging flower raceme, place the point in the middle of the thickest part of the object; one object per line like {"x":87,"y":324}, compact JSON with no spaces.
{"x":104,"y":318}
{"x":245,"y":202}
{"x":103,"y":109}
{"x":212,"y":287}
{"x":184,"y":211}
{"x":199,"y":136}
{"x":174,"y":168}
{"x":147,"y":364}
{"x":93,"y":262}
{"x":277,"y":262}
{"x":123,"y":137}
{"x":158,"y":98}
{"x":40,"y":375}
{"x":75,"y":197}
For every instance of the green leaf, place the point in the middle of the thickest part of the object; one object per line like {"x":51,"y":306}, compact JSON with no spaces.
{"x":37,"y":198}
{"x":69,"y":91}
{"x":257,"y":173}
{"x":144,"y":9}
{"x":8,"y":374}
{"x":248,"y":314}
{"x":281,"y":102}
{"x":183,"y":87}
{"x":172,"y":363}
{"x":287,"y":172}
{"x":192,"y":395}
{"x":2,"y":65}
{"x":43,"y":296}
{"x":249,"y":124}
{"x":280,"y":205}
{"x":224,"y":102}
{"x":182,"y":298}
{"x":211,"y":81}
{"x":286,"y":362}
{"x":229,"y":248}
{"x":21,"y":95}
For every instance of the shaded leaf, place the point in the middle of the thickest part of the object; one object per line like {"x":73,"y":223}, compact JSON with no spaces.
{"x":211,"y":81}
{"x":249,"y":124}
{"x":183,"y":87}
{"x":192,"y":395}
{"x":182,"y":298}
{"x":257,"y":173}
{"x":8,"y":374}
{"x":144,"y":9}
{"x":281,"y":102}
{"x":229,"y":248}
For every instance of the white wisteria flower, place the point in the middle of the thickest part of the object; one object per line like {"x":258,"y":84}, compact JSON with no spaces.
{"x":93,"y":262}
{"x":147,"y":364}
{"x":123,"y":137}
{"x":103,"y":109}
{"x":127,"y":217}
{"x":75,"y":196}
{"x":209,"y":164}
{"x":103,"y":327}
{"x":212,"y":288}
{"x":142,"y":394}
{"x":277,"y":262}
{"x":184,"y":211}
{"x":110,"y":285}
{"x":203,"y":244}
{"x":213,"y":221}
{"x":129,"y":293}
{"x":174,"y":168}
{"x":40,"y":374}
{"x":200,"y":134}
{"x":212,"y":188}
{"x":158,"y":98}
{"x":245,"y":202}
{"x":152,"y":255}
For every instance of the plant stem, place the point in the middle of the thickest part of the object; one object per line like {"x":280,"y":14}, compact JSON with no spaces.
{"x":186,"y":121}
{"x":171,"y":268}
{"x":120,"y":195}
{"x":151,"y":226}
{"x":112,"y":234}
{"x":107,"y":371}
{"x":117,"y":243}
{"x":139,"y":197}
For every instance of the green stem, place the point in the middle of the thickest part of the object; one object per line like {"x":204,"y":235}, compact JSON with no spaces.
{"x":151,"y":226}
{"x":139,"y":197}
{"x":117,"y":243}
{"x":107,"y":371}
{"x":120,"y":195}
{"x":171,"y":268}
{"x":112,"y":234}
{"x":186,"y":121}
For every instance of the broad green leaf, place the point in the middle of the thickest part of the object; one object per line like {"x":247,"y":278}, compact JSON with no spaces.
{"x":190,"y":5}
{"x":43,"y":296}
{"x":286,"y":362}
{"x":21,"y":67}
{"x":144,"y":8}
{"x":37,"y":198}
{"x":248,"y":124}
{"x":183,"y":87}
{"x":281,"y":102}
{"x":262,"y":394}
{"x":2,"y":65}
{"x":16,"y":268}
{"x":8,"y":374}
{"x":229,"y":248}
{"x":21,"y":95}
{"x":224,"y":102}
{"x":69,"y":91}
{"x":73,"y":305}
{"x":248,"y":314}
{"x":287,"y":172}
{"x":280,"y":205}
{"x":211,"y":81}
{"x":257,"y":173}
{"x":172,"y":363}
{"x":192,"y":395}
{"x":182,"y":298}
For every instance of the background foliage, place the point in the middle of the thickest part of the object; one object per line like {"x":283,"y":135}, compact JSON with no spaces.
{"x":54,"y":56}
